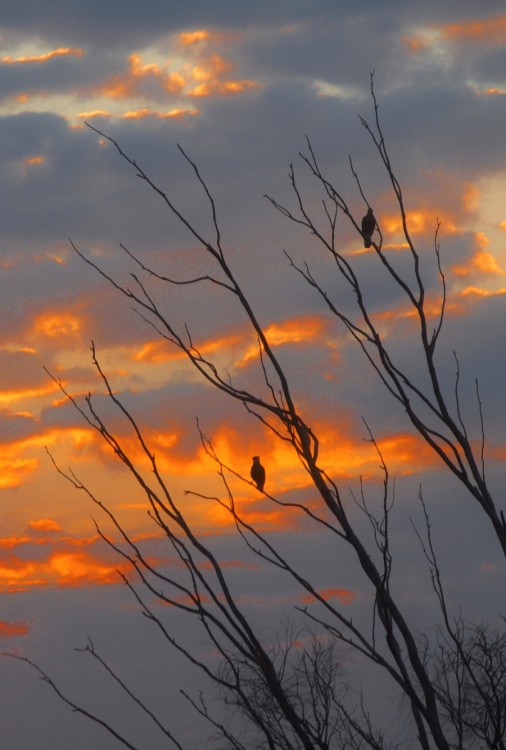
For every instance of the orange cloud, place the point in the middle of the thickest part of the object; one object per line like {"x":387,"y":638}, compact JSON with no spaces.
{"x":406,"y":453}
{"x":57,"y":562}
{"x":303,"y":329}
{"x":490,"y":30}
{"x":296,"y":330}
{"x":191,"y":37}
{"x":19,"y":459}
{"x":30,"y":160}
{"x":60,"y":570}
{"x":419,"y":221}
{"x":481,"y":262}
{"x":138,"y":74}
{"x":60,"y":52}
{"x":69,"y":569}
{"x":300,"y":330}
{"x":389,"y":320}
{"x":58,"y":324}
{"x":13,"y":469}
{"x":93,"y":113}
{"x":14,"y":629}
{"x":200,"y":75}
{"x":23,"y":394}
{"x":210,"y":75}
{"x":477,"y":292}
{"x":493,"y":91}
{"x":45,"y":524}
{"x":139,"y":114}
{"x":156,"y":351}
{"x":341,"y":454}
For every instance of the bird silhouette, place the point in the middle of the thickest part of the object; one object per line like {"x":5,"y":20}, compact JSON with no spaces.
{"x":258,"y":473}
{"x":368,"y":227}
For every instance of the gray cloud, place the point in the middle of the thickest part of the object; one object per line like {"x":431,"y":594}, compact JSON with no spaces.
{"x":441,"y":134}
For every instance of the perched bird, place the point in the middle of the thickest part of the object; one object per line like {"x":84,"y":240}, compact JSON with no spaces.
{"x":368,"y":227}
{"x":258,"y":473}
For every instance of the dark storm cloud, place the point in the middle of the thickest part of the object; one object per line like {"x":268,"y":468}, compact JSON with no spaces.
{"x":125,"y":22}
{"x":418,"y":123}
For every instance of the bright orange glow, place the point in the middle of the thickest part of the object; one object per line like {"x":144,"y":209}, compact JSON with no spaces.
{"x":209,"y":75}
{"x":9,"y":397}
{"x":387,"y":320}
{"x":56,"y":325}
{"x":77,"y":568}
{"x":173,"y":83}
{"x":191,"y":37}
{"x":200,"y":75}
{"x":406,"y":453}
{"x":129,"y":83}
{"x":477,"y":292}
{"x":60,"y":52}
{"x":295,"y":330}
{"x":14,"y":469}
{"x":141,"y":70}
{"x":14,"y":629}
{"x":116,"y":87}
{"x":226,"y":87}
{"x":486,"y":263}
{"x":489,"y":30}
{"x":215,"y":65}
{"x":9,"y":542}
{"x":419,"y":221}
{"x":345,"y":596}
{"x":93,"y":113}
{"x":34,"y":160}
{"x":492,"y":91}
{"x":481,"y":261}
{"x":139,"y":114}
{"x":304,"y":329}
{"x":45,"y":524}
{"x":156,"y":351}
{"x":393,"y":223}
{"x":57,"y":259}
{"x":57,"y":563}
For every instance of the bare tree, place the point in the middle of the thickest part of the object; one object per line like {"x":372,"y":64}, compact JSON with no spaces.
{"x":469,"y":672}
{"x":453,"y":684}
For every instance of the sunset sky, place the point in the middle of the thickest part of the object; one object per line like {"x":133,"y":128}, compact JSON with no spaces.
{"x":238,"y":85}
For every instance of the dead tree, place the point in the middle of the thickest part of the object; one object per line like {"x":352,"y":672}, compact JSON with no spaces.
{"x":305,"y":703}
